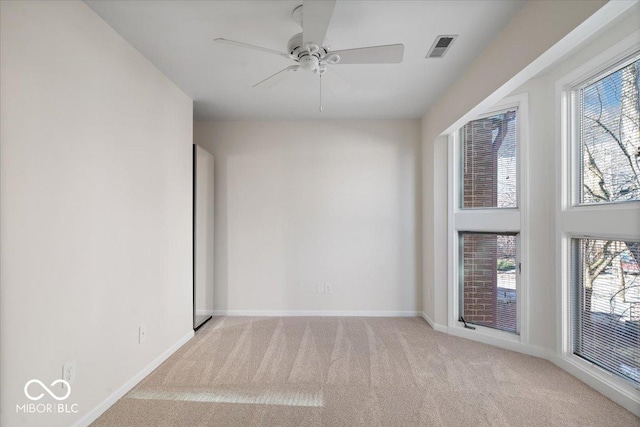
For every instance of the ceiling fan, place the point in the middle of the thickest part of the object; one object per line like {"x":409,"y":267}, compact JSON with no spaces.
{"x":307,"y":48}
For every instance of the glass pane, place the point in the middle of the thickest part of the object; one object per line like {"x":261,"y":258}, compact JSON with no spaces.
{"x":488,"y":284}
{"x":489,"y":173}
{"x":610,"y":138}
{"x":607,"y":305}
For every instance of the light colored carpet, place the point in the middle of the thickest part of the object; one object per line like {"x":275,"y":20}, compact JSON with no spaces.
{"x":296,"y":371}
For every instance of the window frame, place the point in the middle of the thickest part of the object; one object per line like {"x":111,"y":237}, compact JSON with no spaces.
{"x":490,"y":220}
{"x":578,"y":221}
{"x":504,"y":107}
{"x":574,"y":128}
{"x":518,"y":287}
{"x":576,"y":274}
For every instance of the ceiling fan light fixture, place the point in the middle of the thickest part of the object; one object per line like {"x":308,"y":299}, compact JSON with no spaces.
{"x":332,"y":58}
{"x":309,"y":62}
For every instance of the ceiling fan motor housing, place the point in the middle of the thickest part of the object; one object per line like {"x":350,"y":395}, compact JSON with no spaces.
{"x":310,"y":56}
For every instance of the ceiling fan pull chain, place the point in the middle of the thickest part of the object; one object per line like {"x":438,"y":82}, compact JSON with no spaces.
{"x":321,"y":93}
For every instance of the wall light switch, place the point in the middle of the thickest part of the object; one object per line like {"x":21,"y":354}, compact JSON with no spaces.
{"x":328,"y":287}
{"x":321,"y":288}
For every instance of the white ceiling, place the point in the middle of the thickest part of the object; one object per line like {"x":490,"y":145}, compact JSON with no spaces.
{"x":177,"y":36}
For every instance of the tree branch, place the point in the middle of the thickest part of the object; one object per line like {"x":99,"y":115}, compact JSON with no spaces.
{"x":618,"y":141}
{"x":593,"y":167}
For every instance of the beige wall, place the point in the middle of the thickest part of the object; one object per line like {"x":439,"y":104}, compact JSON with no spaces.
{"x":302,"y":203}
{"x":95,"y":213}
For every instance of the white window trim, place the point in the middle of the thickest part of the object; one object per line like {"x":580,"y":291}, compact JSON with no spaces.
{"x":576,"y":221}
{"x":491,"y":220}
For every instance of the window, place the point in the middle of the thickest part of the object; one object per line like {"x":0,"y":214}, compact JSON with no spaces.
{"x":609,"y":147}
{"x":486,"y":222}
{"x":599,"y":224}
{"x":489,"y":177}
{"x":607,"y":305}
{"x":488,"y":280}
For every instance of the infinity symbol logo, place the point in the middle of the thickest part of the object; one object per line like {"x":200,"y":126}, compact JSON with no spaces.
{"x":52,"y":394}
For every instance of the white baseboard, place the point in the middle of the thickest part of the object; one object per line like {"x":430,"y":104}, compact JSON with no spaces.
{"x":311,"y":313}
{"x":204,"y":312}
{"x":94,"y":413}
{"x":603,"y":382}
{"x":436,"y":326}
{"x":428,"y":320}
{"x":507,"y":343}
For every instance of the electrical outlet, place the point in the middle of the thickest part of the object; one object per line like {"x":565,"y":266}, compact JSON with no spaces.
{"x":328,"y":287}
{"x":321,"y":288}
{"x":142,"y":334}
{"x":69,"y":372}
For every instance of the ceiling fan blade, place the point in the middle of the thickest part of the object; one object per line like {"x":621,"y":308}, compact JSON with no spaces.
{"x":276,"y":78}
{"x":253,"y":47}
{"x":336,"y":84}
{"x":387,"y":54}
{"x":316,"y":16}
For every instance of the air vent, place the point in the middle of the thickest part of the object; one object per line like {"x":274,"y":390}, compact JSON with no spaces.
{"x":440,"y":46}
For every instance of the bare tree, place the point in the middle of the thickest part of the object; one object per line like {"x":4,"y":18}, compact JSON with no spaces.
{"x":620,"y":180}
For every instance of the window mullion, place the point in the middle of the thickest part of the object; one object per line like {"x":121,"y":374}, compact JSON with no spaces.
{"x":508,"y":220}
